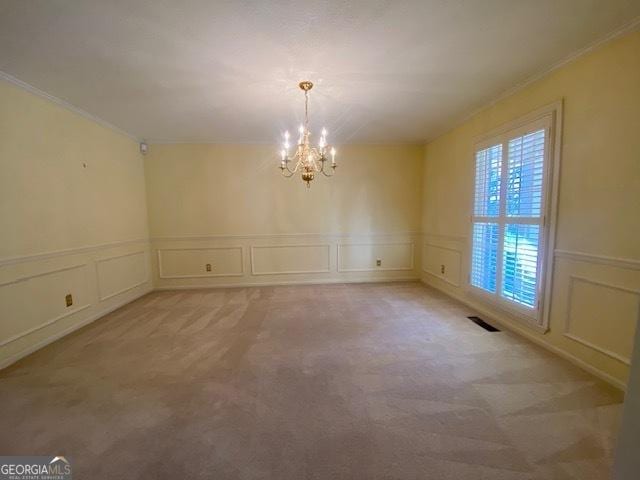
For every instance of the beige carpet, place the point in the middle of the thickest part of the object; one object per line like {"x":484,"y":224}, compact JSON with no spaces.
{"x":376,"y":381}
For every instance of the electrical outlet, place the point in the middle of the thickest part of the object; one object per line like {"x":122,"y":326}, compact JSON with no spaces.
{"x":442,"y":269}
{"x":68,"y":300}
{"x":208,"y":267}
{"x":378,"y":263}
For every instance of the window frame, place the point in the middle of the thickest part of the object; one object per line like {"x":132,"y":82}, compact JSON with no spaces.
{"x":549,"y":118}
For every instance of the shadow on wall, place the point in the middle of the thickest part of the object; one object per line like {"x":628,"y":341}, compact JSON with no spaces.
{"x":627,"y":462}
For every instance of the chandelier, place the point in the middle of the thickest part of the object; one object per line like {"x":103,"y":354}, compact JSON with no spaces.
{"x":307,"y":158}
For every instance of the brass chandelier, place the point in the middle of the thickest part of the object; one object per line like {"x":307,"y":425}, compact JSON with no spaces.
{"x":308,"y":159}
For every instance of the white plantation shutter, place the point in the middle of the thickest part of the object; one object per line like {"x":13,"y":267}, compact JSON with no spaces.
{"x":525,"y":175}
{"x":488,"y":171}
{"x":484,"y":258}
{"x":508,"y":215}
{"x":520,"y":263}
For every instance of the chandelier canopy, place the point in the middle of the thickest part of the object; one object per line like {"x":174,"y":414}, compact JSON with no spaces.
{"x":307,"y":159}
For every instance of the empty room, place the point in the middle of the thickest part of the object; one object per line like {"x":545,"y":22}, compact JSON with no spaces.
{"x":367,"y":239}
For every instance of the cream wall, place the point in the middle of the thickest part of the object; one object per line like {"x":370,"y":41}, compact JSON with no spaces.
{"x":74,"y":220}
{"x":596,"y":279}
{"x":228,"y":205}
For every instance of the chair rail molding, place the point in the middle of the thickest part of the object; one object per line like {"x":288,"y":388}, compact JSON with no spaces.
{"x":69,"y":251}
{"x":627,"y":263}
{"x":249,"y":236}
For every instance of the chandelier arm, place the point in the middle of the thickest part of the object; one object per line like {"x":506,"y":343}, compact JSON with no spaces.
{"x":325,"y":173}
{"x":323,"y":161}
{"x":286,"y":168}
{"x":291,"y":172}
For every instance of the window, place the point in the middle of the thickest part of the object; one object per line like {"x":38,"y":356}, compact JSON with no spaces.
{"x":508,"y":222}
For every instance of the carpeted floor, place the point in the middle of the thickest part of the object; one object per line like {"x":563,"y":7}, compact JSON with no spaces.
{"x":367,"y":381}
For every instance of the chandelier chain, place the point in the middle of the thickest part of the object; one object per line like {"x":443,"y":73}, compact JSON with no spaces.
{"x":306,"y":109}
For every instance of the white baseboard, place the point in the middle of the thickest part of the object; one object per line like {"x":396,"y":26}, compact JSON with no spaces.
{"x":288,"y":283}
{"x":37,"y":346}
{"x":509,"y":325}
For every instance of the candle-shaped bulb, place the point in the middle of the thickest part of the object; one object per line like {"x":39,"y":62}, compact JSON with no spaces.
{"x":283,"y":154}
{"x":324,"y":132}
{"x":286,"y":135}
{"x":301,"y":129}
{"x":333,"y":156}
{"x":286,"y":145}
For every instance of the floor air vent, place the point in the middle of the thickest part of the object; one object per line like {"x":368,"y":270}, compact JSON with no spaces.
{"x":483,"y":324}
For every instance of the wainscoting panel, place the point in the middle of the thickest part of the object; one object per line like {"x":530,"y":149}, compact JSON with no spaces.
{"x":283,"y":259}
{"x":121,"y":273}
{"x":602,"y":316}
{"x":192,"y":262}
{"x":32,"y":302}
{"x":290,"y":259}
{"x":597,"y":305}
{"x":363,"y":257}
{"x":33,"y":291}
{"x":444,"y":263}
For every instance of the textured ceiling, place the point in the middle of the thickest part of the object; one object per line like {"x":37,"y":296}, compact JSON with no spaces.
{"x":227,"y":71}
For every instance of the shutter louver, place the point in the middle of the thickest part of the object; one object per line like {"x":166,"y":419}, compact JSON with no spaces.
{"x":525,"y":175}
{"x":488,"y":170}
{"x":520,"y":263}
{"x":484,"y":261}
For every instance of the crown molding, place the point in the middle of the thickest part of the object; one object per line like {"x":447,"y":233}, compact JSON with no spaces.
{"x":64,"y":104}
{"x":211,"y":142}
{"x":629,"y":27}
